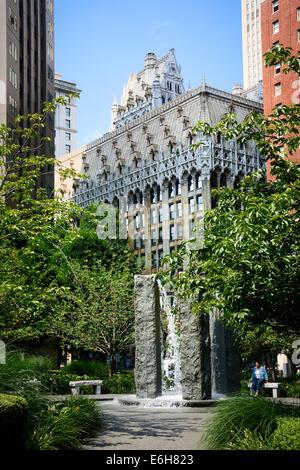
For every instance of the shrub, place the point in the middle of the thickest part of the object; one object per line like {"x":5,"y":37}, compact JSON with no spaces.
{"x":250,"y":440}
{"x":61,"y":426}
{"x":287,"y":434}
{"x":233,"y":416}
{"x":94,"y":369}
{"x":13,"y":420}
{"x":119,"y":384}
{"x":19,"y":369}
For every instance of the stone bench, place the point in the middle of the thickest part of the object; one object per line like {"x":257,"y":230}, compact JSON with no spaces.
{"x":75,"y":386}
{"x":272,"y":385}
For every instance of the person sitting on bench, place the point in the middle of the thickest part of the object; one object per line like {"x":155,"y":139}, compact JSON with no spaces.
{"x":258,"y":378}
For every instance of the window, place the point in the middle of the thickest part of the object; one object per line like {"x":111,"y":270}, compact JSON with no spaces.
{"x":160,"y":235}
{"x":179,"y":231}
{"x":179,"y":209}
{"x":68,"y":148}
{"x":153,"y":216}
{"x":198,"y":182}
{"x":276,"y":44}
{"x":136,"y":242}
{"x":68,"y":136}
{"x":171,"y":211}
{"x":50,"y":74}
{"x":172,"y":233}
{"x":159,"y":194}
{"x":277,"y":68}
{"x":68,"y":112}
{"x":143,"y":241}
{"x":50,"y":29}
{"x":298,"y":14}
{"x":137,"y":221}
{"x":13,"y":50}
{"x":12,"y":19}
{"x":153,"y":237}
{"x":199,"y":201}
{"x":277,"y":88}
{"x":171,"y":190}
{"x":50,"y":6}
{"x":152,"y":196}
{"x":153,"y":258}
{"x":13,"y":78}
{"x":160,"y":257}
{"x":191,"y":205}
{"x":142,"y":219}
{"x":13,"y":107}
{"x":68,"y":123}
{"x":50,"y":51}
{"x":192,"y":226}
{"x":178,"y":188}
{"x":275,"y":27}
{"x":298,"y":35}
{"x":191,"y":185}
{"x":160,"y":215}
{"x":275,"y":6}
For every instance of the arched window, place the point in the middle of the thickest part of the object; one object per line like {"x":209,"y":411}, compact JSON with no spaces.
{"x":171,"y":190}
{"x":214,"y":181}
{"x":163,"y":99}
{"x":213,"y":185}
{"x":171,"y":147}
{"x":190,"y":138}
{"x":152,"y":154}
{"x":191,"y":185}
{"x":152,"y":196}
{"x":178,"y":188}
{"x":219,"y":137}
{"x":223,"y":181}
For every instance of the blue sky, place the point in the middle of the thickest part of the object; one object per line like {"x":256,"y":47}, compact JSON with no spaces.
{"x":100,"y":42}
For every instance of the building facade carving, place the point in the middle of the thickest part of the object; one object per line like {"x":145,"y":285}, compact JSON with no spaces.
{"x":148,"y":169}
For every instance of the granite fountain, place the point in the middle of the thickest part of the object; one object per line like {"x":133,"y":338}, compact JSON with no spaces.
{"x":191,"y":367}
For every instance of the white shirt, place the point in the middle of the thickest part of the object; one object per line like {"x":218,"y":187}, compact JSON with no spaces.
{"x":257,"y":374}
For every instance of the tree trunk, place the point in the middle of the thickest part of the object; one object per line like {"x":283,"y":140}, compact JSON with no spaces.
{"x":111,"y":364}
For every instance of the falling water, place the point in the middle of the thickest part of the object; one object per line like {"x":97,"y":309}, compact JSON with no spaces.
{"x":171,"y":360}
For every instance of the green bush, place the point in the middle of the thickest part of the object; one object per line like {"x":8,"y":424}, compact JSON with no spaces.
{"x":249,"y":440}
{"x":58,"y":382}
{"x":13,"y":421}
{"x":231,"y":417}
{"x":94,"y":369}
{"x":287,"y":434}
{"x":19,"y":369}
{"x":62,"y":426}
{"x":119,"y":384}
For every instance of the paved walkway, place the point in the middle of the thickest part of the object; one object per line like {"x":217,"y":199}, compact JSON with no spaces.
{"x":132,"y":428}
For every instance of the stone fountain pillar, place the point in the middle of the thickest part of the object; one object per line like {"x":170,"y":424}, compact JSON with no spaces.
{"x":148,"y":375}
{"x":195,"y":353}
{"x":218,"y":353}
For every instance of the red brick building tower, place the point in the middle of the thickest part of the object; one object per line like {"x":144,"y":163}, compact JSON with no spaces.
{"x":280,"y":24}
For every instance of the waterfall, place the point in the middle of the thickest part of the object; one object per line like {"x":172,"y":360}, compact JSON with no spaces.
{"x":171,"y":360}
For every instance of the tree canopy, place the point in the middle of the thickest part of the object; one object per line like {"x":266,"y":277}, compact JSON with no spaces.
{"x":248,"y":263}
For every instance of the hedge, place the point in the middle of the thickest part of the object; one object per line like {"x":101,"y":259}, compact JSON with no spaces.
{"x":13,"y":420}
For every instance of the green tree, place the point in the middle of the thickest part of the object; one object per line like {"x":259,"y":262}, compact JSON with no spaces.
{"x":98,"y":315}
{"x":248,"y":264}
{"x":27,"y":216}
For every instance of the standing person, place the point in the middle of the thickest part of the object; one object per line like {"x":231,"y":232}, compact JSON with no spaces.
{"x":258,"y":378}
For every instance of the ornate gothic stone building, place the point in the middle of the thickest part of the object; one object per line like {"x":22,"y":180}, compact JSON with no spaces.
{"x":145,"y":165}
